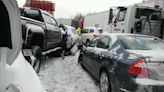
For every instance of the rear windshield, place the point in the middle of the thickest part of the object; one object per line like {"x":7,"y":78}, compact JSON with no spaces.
{"x":148,"y":13}
{"x":87,"y":31}
{"x":141,"y":42}
{"x":31,"y":13}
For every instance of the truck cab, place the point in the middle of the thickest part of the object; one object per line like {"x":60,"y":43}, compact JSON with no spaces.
{"x":138,"y":19}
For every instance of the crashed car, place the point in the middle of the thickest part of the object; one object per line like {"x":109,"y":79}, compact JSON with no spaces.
{"x":126,"y":62}
{"x":16,"y":74}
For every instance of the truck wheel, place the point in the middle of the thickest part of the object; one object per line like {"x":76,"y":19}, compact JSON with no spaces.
{"x":35,"y":59}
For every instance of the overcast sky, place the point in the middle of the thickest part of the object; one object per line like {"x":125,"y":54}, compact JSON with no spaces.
{"x":69,"y":8}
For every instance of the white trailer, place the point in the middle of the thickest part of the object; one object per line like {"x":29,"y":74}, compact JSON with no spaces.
{"x":100,"y":19}
{"x":65,"y":21}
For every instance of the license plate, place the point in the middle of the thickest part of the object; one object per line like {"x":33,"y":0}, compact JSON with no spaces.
{"x":27,"y":52}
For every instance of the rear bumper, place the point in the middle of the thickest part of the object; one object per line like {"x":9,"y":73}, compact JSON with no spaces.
{"x":144,"y":85}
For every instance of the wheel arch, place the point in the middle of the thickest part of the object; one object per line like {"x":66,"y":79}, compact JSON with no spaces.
{"x":104,"y":69}
{"x":34,"y":37}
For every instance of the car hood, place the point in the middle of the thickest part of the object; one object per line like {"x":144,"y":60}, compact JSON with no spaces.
{"x":153,"y":55}
{"x":15,"y":28}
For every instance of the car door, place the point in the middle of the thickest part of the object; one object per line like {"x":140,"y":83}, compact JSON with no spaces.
{"x":119,"y":23}
{"x":88,"y":52}
{"x":52,"y":33}
{"x":100,"y":53}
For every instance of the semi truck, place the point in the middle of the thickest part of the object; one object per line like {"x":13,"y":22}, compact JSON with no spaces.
{"x":137,"y":19}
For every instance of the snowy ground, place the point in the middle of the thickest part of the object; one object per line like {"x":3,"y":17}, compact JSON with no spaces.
{"x":66,"y":75}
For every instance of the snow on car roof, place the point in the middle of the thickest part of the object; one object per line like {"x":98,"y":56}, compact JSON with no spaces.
{"x":125,"y":34}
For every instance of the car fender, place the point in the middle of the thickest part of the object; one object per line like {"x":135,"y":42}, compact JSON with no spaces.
{"x":37,"y":35}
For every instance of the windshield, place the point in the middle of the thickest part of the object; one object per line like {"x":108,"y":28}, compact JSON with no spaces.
{"x":148,"y":13}
{"x":141,"y":42}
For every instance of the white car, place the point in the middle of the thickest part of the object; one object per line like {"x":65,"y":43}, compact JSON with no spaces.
{"x":16,"y":74}
{"x":89,"y":33}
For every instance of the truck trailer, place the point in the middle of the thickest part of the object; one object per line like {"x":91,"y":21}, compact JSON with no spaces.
{"x":100,"y":19}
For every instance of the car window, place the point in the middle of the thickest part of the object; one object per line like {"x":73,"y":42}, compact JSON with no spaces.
{"x":148,"y":13}
{"x":121,"y":15}
{"x":91,"y":30}
{"x":30,"y":13}
{"x":53,"y":21}
{"x":142,"y":42}
{"x":93,"y":42}
{"x":46,"y":18}
{"x":104,"y":42}
{"x":85,"y":31}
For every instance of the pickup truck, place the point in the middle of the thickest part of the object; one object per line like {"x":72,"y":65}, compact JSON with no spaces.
{"x":41,"y":35}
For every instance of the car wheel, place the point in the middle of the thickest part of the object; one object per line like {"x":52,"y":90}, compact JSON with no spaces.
{"x":104,"y":82}
{"x":35,"y":58}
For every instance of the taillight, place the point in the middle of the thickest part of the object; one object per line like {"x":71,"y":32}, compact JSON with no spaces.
{"x":138,"y":68}
{"x":95,"y":35}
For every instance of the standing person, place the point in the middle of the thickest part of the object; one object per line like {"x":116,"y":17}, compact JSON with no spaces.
{"x":78,"y":31}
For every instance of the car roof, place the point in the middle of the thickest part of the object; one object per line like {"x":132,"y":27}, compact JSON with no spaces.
{"x":32,"y":8}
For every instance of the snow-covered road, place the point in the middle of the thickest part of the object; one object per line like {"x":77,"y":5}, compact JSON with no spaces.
{"x":66,"y":75}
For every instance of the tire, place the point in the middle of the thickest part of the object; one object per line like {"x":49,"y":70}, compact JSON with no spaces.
{"x":35,"y":59}
{"x":104,"y":82}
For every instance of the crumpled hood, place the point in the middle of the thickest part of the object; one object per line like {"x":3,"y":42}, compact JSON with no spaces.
{"x":155,"y":55}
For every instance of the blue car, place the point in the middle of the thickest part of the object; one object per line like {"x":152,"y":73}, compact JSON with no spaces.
{"x":125,"y":62}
